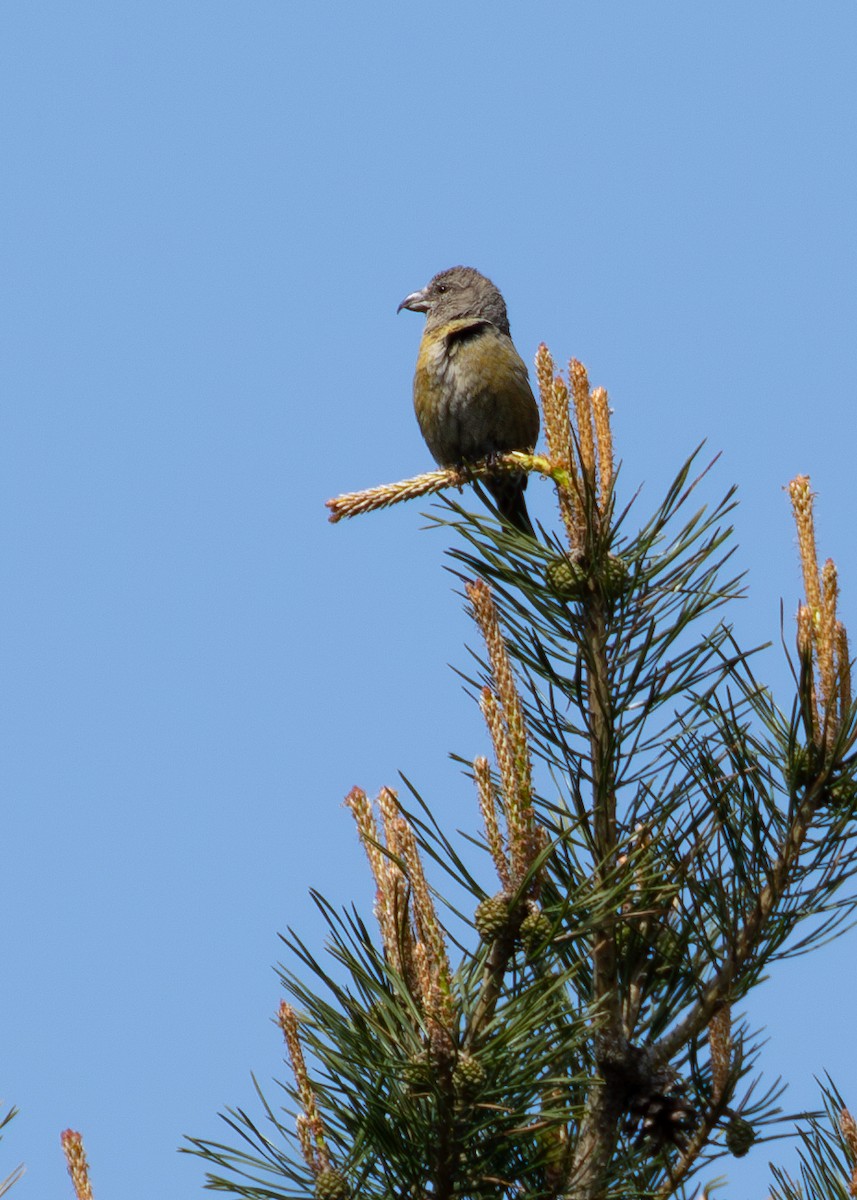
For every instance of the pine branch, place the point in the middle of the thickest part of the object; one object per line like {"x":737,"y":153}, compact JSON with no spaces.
{"x":657,"y":829}
{"x":749,"y":936}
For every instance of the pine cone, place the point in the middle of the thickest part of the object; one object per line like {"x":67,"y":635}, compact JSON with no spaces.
{"x":469,"y":1076}
{"x":740,"y":1136}
{"x":418,"y":1072}
{"x":535,"y":931}
{"x":840,"y":792}
{"x":493,"y":917}
{"x":614,"y":577}
{"x":651,"y":1093}
{"x":330,"y":1185}
{"x":665,"y":1118}
{"x":805,"y":764}
{"x":568,"y":577}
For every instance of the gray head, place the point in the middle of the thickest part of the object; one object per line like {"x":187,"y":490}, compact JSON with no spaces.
{"x":457,"y":293}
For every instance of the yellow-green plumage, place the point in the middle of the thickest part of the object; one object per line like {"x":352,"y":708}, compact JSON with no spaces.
{"x":472,"y":395}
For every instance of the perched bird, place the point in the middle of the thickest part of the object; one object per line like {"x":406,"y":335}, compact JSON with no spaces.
{"x":472,"y":395}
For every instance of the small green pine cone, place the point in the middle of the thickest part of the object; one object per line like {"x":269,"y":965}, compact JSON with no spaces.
{"x":418,"y":1071}
{"x":840,"y":792}
{"x":740,"y":1136}
{"x":614,"y":577}
{"x":535,"y":931}
{"x":568,"y":578}
{"x":492,"y":917}
{"x":552,"y":1144}
{"x":804,"y":766}
{"x":468,"y":1076}
{"x":330,"y":1185}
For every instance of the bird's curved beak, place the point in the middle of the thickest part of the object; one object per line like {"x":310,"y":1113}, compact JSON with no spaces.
{"x":416,"y":302}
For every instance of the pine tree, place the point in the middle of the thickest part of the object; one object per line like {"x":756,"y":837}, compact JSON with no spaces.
{"x":657,"y":831}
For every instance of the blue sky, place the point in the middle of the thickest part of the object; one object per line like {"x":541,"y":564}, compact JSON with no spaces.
{"x":208,"y":214}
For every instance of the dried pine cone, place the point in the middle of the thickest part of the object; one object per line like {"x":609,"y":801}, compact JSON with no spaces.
{"x":651,"y":1093}
{"x":665,"y":1118}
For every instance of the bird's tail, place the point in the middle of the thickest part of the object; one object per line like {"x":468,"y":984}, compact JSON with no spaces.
{"x":507,"y":492}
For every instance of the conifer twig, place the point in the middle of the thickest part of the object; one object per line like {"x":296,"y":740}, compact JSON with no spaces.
{"x":353,"y":504}
{"x":78,"y":1167}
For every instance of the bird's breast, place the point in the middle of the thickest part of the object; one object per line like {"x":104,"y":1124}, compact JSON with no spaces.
{"x":472,"y":395}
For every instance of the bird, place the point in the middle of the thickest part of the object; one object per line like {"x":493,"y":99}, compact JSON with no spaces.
{"x":472,"y":393}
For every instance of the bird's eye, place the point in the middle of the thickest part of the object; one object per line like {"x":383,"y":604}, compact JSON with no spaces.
{"x":441,"y":288}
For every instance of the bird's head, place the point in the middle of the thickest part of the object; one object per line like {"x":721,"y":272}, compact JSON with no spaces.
{"x":458,"y":293}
